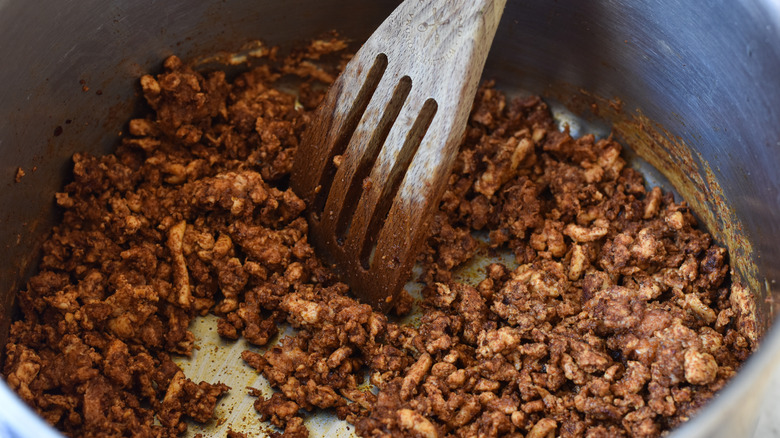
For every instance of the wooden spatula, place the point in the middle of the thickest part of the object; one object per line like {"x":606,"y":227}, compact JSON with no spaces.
{"x":374,"y":163}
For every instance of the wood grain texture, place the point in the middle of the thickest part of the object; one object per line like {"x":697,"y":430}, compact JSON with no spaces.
{"x":412,"y":84}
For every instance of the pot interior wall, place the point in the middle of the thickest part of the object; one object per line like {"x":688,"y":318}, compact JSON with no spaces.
{"x":694,"y":88}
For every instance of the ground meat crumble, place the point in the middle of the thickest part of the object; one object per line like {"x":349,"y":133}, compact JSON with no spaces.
{"x":620,"y":318}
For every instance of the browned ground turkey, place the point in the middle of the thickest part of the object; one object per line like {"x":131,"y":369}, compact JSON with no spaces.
{"x":620,"y":319}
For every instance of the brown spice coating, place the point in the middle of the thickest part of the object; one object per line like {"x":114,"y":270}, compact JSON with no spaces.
{"x":619,"y":320}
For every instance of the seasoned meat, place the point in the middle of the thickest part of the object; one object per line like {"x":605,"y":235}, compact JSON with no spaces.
{"x":619,"y":317}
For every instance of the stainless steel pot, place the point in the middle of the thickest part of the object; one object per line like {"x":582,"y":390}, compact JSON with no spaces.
{"x":694,"y":86}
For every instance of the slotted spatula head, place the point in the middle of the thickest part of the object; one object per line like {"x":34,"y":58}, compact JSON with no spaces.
{"x":374,"y":162}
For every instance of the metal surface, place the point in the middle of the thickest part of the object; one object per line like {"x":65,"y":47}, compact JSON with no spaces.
{"x":706,"y":72}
